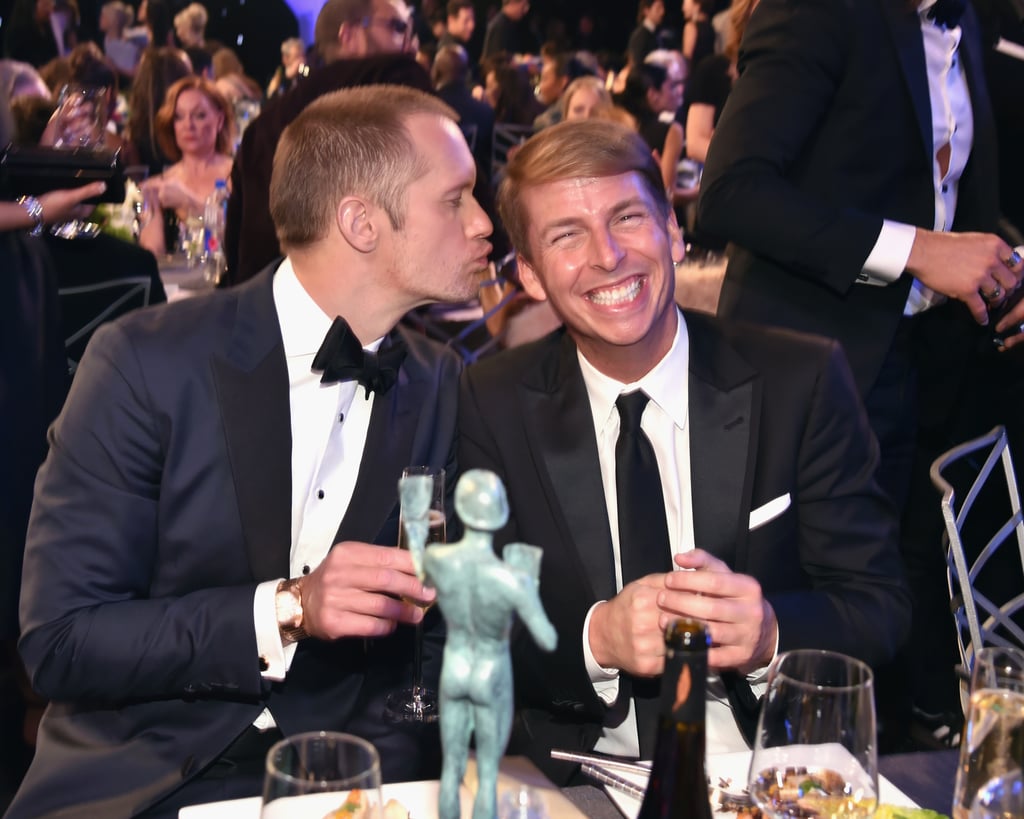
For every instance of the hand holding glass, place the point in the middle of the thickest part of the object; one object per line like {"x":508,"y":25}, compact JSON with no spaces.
{"x":417,"y":528}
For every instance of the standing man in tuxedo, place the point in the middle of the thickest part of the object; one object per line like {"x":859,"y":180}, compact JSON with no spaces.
{"x":210,"y":561}
{"x":359,"y":42}
{"x":639,"y":439}
{"x":854,"y":170}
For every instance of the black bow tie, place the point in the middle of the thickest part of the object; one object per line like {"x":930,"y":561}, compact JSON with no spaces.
{"x":947,"y":12}
{"x":342,"y":358}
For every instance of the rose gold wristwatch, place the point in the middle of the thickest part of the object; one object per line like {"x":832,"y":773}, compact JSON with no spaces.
{"x":288,"y":602}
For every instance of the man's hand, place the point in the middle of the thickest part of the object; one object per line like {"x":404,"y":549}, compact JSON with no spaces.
{"x":741,"y":622}
{"x":626,"y":633}
{"x":357,"y":591}
{"x":963,"y":266}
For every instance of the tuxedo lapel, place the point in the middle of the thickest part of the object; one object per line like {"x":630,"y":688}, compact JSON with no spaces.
{"x":561,"y":430}
{"x":386,"y":453}
{"x":251,"y":378}
{"x":905,"y":28}
{"x":725,"y":399}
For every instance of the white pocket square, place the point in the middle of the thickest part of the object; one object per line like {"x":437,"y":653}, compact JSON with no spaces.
{"x":769,"y":511}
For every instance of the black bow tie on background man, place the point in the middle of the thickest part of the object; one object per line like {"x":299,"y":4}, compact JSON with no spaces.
{"x":342,"y":358}
{"x":947,"y":12}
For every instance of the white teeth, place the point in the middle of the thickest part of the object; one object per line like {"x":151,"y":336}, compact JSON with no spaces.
{"x":616,"y":295}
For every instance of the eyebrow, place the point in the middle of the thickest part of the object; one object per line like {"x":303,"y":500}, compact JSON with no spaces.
{"x":615,"y":210}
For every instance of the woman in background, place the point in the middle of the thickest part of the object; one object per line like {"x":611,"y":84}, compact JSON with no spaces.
{"x":158,"y":70}
{"x":195,"y":128}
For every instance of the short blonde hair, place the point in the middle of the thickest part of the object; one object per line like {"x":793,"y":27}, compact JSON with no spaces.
{"x":353,"y":142}
{"x":590,"y":148}
{"x":595,"y":84}
{"x":190,"y":24}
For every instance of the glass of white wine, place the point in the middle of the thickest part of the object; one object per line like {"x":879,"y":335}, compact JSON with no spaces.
{"x":815,"y":751}
{"x":992,"y":747}
{"x":417,"y":703}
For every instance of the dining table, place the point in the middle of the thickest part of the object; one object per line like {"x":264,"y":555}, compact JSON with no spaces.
{"x":925,"y":776}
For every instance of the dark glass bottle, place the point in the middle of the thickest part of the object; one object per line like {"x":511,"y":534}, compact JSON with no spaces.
{"x":678,"y":787}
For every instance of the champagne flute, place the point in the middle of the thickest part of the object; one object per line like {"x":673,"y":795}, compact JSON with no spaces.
{"x":417,"y":703}
{"x":319,"y":773}
{"x":992,"y":747}
{"x":815,"y":744}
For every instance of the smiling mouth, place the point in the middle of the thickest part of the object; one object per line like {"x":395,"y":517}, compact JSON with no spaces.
{"x":617,"y":295}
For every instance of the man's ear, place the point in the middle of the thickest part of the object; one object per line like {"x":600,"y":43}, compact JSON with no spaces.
{"x":529,"y":280}
{"x":352,"y":39}
{"x":675,"y":238}
{"x":357,"y":225}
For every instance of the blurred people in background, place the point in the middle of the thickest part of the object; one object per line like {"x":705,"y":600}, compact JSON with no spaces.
{"x":158,"y":70}
{"x":648,"y":86}
{"x":450,"y":76}
{"x":292,"y":69}
{"x":711,"y":81}
{"x":509,"y":32}
{"x":460,"y":22}
{"x":190,"y":29}
{"x":698,"y":33}
{"x":231,"y":80}
{"x":644,"y":38}
{"x":508,"y":91}
{"x":360,"y":42}
{"x":583,"y":98}
{"x":195,"y":128}
{"x":29,"y":33}
{"x":123,"y":53}
{"x":557,"y":70}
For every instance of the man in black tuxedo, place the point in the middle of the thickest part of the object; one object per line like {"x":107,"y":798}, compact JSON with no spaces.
{"x":854,"y":170}
{"x":360,"y":42}
{"x":189,"y":594}
{"x":764,"y":456}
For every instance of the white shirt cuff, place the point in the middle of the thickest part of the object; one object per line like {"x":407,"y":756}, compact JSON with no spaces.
{"x":604,"y":680}
{"x":276,"y":656}
{"x":888,"y":258}
{"x":759,"y":675}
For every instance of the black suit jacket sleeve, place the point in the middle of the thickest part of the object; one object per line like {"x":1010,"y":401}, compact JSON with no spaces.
{"x":774,"y":181}
{"x":92,"y":628}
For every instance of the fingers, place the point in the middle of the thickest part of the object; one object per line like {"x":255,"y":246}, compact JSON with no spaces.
{"x":625,"y":632}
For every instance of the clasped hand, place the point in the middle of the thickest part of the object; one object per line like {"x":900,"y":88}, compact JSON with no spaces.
{"x":627,"y":632}
{"x":362,"y":590}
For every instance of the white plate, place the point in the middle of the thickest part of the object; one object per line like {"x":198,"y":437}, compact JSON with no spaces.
{"x":420,"y":798}
{"x":735,"y":767}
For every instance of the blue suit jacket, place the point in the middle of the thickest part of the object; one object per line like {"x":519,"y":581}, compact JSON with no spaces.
{"x":165,"y":500}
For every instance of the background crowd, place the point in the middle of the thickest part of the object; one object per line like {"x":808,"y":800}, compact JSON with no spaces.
{"x":198,"y":93}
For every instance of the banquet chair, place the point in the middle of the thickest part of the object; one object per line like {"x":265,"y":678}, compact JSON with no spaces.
{"x":85,"y":307}
{"x":982,"y":514}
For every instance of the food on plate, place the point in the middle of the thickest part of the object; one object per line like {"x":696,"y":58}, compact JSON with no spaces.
{"x":357,"y":806}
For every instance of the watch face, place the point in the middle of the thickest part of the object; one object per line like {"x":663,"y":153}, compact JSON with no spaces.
{"x":289,"y":608}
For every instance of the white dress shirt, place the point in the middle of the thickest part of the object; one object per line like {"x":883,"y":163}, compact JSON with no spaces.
{"x":952,"y":125}
{"x":665,"y":424}
{"x":328,"y":431}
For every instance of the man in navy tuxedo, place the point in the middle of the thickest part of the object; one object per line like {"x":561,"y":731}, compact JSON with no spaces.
{"x":210,"y":562}
{"x":771,"y":518}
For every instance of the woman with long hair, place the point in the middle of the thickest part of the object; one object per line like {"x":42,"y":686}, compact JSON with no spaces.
{"x":158,"y":70}
{"x":195,"y":128}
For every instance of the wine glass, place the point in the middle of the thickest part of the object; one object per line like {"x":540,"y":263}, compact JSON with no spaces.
{"x":317,"y":773}
{"x":815,"y":744}
{"x":992,"y":747}
{"x":79,"y":123}
{"x":417,"y":703}
{"x":1002,"y":797}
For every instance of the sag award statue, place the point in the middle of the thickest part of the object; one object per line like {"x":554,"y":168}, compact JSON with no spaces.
{"x":477,"y":593}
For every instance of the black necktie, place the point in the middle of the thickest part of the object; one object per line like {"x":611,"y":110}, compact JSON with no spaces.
{"x":643,"y":536}
{"x":342,"y":358}
{"x":947,"y":12}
